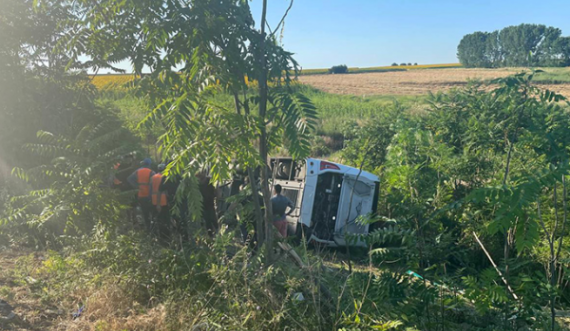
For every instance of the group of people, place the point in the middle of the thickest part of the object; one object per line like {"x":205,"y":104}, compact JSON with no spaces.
{"x":155,"y":196}
{"x":151,"y":199}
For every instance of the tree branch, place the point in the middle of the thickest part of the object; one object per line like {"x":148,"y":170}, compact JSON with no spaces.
{"x":553,"y":233}
{"x":565,"y":216}
{"x":495,"y":266}
{"x":283,"y":18}
{"x":542,"y":222}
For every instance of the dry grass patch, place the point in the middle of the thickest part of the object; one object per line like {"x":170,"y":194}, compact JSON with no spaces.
{"x":108,"y":306}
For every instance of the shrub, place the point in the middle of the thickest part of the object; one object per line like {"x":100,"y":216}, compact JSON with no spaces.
{"x":403,"y":64}
{"x":340,"y":69}
{"x":394,"y":64}
{"x":409,"y":64}
{"x":319,"y":147}
{"x":416,"y":64}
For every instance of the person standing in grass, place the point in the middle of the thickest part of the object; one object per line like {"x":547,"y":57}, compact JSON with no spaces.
{"x":160,"y":204}
{"x":280,"y":203}
{"x":140,"y":179}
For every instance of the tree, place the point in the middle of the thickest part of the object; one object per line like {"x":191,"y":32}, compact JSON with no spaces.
{"x":340,"y":69}
{"x":493,"y":52}
{"x":36,"y":91}
{"x":563,"y":51}
{"x":71,"y":194}
{"x":471,"y":50}
{"x":521,"y":45}
{"x":218,"y":49}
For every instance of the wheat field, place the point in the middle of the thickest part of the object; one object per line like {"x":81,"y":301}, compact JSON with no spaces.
{"x":411,"y":82}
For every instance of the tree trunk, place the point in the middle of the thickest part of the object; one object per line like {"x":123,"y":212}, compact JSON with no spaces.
{"x":258,"y":213}
{"x":263,"y":152}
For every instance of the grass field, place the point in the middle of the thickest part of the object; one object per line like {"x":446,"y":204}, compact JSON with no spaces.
{"x":553,"y":75}
{"x":343,"y":99}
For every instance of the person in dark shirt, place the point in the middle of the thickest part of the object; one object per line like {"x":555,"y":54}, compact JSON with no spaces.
{"x":170,"y":185}
{"x":280,"y":203}
{"x":125,"y":168}
{"x":209,"y":213}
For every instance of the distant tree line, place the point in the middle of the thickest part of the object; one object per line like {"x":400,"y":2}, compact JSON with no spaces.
{"x":403,"y":64}
{"x":521,"y":45}
{"x":340,"y":69}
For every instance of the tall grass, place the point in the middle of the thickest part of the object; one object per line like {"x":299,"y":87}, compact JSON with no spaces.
{"x":338,"y":111}
{"x":552,"y":76}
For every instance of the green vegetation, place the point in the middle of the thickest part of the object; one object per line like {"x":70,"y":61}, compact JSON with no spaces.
{"x":552,"y":76}
{"x":472,"y":226}
{"x":523,"y":45}
{"x":340,"y":69}
{"x":336,"y":112}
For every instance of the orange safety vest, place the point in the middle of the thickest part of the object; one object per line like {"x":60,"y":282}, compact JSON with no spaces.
{"x":143,"y":179}
{"x":156,"y":179}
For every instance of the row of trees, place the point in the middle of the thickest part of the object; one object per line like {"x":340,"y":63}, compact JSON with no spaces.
{"x":523,"y":45}
{"x":403,"y":64}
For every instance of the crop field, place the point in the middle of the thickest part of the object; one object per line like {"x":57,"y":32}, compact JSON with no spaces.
{"x":111,"y":82}
{"x":356,"y":70}
{"x":394,"y":81}
{"x":421,"y":82}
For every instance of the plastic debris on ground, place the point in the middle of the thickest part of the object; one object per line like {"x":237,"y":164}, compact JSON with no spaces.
{"x":79,"y":312}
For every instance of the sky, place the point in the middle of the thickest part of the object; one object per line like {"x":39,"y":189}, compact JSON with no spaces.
{"x":367,"y":33}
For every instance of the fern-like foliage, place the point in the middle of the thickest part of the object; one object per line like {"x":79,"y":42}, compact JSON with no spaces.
{"x":70,"y":194}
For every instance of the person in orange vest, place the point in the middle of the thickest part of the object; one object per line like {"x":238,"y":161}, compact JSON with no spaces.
{"x":141,"y":180}
{"x":160,"y":203}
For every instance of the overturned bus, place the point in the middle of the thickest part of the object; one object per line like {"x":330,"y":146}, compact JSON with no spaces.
{"x":328,"y":198}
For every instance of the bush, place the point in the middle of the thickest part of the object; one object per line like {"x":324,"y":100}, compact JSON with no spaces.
{"x":319,"y":147}
{"x":409,"y":64}
{"x":394,"y":64}
{"x":403,"y":64}
{"x":416,"y":64}
{"x":340,"y":69}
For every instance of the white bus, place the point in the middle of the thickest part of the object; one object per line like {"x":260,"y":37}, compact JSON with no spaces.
{"x":328,"y":198}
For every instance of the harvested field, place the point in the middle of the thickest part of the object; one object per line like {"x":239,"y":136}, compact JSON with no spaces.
{"x":412,"y":82}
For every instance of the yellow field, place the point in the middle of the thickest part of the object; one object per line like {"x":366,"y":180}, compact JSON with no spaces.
{"x":112,"y":82}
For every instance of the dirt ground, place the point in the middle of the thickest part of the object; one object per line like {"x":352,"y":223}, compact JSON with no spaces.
{"x":107,"y":306}
{"x":30,"y":313}
{"x":411,"y":82}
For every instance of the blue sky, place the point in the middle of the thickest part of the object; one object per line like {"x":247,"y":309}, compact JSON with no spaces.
{"x":365,"y":33}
